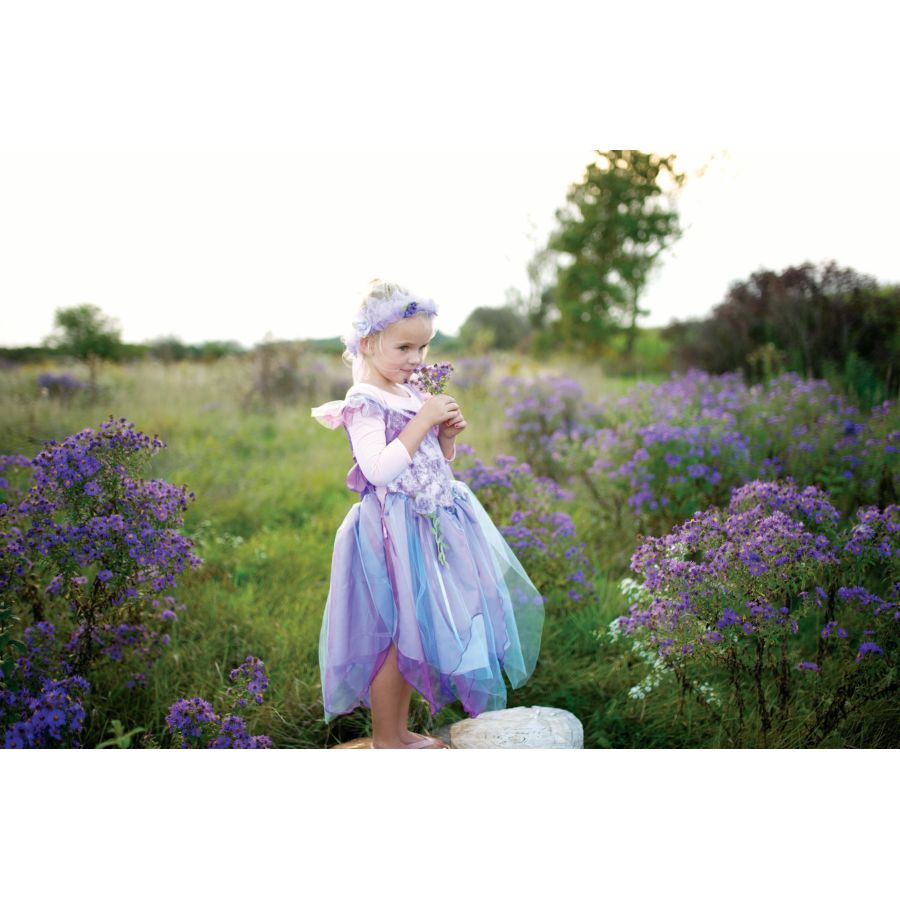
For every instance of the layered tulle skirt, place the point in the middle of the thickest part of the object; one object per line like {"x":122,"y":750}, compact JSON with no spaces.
{"x":458,"y":626}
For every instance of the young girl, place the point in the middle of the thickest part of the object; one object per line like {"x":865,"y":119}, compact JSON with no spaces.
{"x":425,"y":593}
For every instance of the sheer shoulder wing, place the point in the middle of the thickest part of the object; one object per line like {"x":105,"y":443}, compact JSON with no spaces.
{"x":336,"y":413}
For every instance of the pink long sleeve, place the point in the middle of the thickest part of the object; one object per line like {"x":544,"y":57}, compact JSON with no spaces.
{"x":380,"y":462}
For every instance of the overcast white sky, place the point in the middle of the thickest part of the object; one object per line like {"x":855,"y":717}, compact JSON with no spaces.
{"x":235,"y":244}
{"x":228,"y":171}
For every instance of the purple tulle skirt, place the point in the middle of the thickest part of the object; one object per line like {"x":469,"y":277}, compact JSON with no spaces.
{"x":457,"y":626}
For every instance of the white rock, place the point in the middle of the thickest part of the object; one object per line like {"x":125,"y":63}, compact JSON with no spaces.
{"x":519,"y":728}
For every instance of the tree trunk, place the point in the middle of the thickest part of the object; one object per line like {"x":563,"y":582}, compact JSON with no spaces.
{"x":631,"y":334}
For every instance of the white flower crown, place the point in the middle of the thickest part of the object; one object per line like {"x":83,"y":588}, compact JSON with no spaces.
{"x":384,"y":306}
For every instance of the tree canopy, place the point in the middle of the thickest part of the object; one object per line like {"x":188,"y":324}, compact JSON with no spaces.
{"x":822,"y":321}
{"x":610,"y":235}
{"x":86,"y":333}
{"x":493,"y":328}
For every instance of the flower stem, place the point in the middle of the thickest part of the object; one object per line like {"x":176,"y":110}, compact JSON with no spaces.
{"x":438,"y":537}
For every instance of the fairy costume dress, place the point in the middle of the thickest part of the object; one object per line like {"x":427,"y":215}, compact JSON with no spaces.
{"x":418,"y":563}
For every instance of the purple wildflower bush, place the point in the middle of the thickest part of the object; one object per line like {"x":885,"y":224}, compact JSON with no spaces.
{"x":775,"y":621}
{"x":90,"y":556}
{"x":63,"y":385}
{"x":195,"y":724}
{"x":658,"y":454}
{"x":548,"y":416}
{"x":528,"y":513}
{"x":41,"y":703}
{"x":472,"y":373}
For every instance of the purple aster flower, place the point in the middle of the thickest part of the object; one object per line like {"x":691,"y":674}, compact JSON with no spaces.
{"x":806,"y":667}
{"x":729,"y":617}
{"x":433,"y":378}
{"x":868,"y":647}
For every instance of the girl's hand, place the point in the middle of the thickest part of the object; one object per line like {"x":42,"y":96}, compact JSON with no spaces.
{"x":436,"y":410}
{"x":452,"y":427}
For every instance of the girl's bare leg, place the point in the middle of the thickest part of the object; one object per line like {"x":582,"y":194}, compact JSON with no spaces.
{"x":407,"y":736}
{"x":403,"y":713}
{"x":385,"y":691}
{"x":390,"y":694}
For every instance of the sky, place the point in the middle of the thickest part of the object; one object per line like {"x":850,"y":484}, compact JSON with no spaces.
{"x":241,"y":244}
{"x":214,"y":173}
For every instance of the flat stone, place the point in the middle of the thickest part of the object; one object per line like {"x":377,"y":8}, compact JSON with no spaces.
{"x":519,"y":728}
{"x":365,"y":743}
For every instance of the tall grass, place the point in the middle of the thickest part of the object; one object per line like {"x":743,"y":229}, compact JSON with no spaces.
{"x":270,"y":495}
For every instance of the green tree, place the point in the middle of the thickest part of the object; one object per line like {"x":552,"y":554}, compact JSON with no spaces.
{"x":168,"y":349}
{"x":615,"y":226}
{"x":493,"y":328}
{"x":85,"y":333}
{"x":821,"y":321}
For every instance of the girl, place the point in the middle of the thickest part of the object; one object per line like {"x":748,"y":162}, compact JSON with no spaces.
{"x":424,"y":593}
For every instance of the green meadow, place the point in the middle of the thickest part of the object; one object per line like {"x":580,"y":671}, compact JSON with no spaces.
{"x":270,"y":494}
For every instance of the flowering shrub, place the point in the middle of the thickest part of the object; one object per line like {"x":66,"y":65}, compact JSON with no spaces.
{"x":472,"y":372}
{"x":546,"y":416}
{"x":195,"y":723}
{"x":772,"y":604}
{"x":88,"y":554}
{"x":661,"y":453}
{"x":662,"y":471}
{"x":526,"y":508}
{"x":250,"y":682}
{"x":60,"y":384}
{"x":40,"y":706}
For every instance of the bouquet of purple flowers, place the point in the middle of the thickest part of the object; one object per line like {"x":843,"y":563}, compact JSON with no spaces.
{"x":432,"y":379}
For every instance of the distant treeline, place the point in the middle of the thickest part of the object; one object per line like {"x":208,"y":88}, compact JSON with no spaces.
{"x":169,"y":350}
{"x":174,"y":350}
{"x":821,"y":322}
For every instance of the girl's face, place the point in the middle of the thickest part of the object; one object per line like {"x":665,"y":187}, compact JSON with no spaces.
{"x":400,"y":348}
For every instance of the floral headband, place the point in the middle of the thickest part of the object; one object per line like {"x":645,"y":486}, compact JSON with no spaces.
{"x":380,"y":312}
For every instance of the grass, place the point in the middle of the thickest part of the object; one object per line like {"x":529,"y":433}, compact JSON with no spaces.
{"x":270,"y":495}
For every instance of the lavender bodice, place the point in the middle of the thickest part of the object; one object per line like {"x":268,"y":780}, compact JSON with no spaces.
{"x":428,"y":479}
